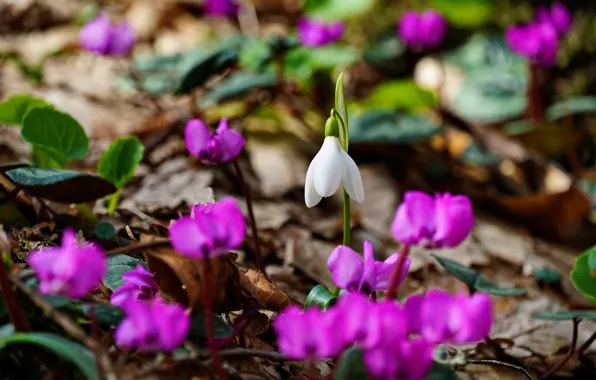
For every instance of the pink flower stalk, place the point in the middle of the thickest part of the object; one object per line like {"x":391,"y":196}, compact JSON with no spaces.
{"x":103,"y":37}
{"x":222,"y":146}
{"x":349,"y":271}
{"x":221,"y":8}
{"x":138,"y":285}
{"x":558,"y":16}
{"x":422,"y":32}
{"x":70,"y":270}
{"x":538,"y":42}
{"x":313,"y":33}
{"x":440,"y":317}
{"x":308,"y":334}
{"x":211,"y":231}
{"x":152,"y":327}
{"x":442,"y":222}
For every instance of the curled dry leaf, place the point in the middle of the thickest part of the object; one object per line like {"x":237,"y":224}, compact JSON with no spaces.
{"x":268,"y":295}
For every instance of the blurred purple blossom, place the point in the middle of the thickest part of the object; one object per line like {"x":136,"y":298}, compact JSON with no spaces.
{"x":103,"y":37}
{"x":441,"y":317}
{"x":422,"y":32}
{"x":152,"y":327}
{"x":221,"y":8}
{"x":440,"y":222}
{"x":312,"y":32}
{"x":210,"y":231}
{"x":351,"y":272}
{"x":538,"y":42}
{"x":558,"y":16}
{"x":138,"y":285}
{"x":221,"y":146}
{"x":71,"y":270}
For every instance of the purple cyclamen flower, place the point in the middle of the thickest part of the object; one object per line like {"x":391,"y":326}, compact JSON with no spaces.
{"x":351,"y":272}
{"x":152,"y":327}
{"x":221,"y":8}
{"x":138,"y":285}
{"x":70,"y":270}
{"x":312,"y":32}
{"x":538,"y":42}
{"x":221,"y":146}
{"x":442,"y":222}
{"x":353,"y":309}
{"x":558,"y":16}
{"x":441,"y":317}
{"x":103,"y":37}
{"x":211,"y":231}
{"x":424,"y":31}
{"x":307,"y":334}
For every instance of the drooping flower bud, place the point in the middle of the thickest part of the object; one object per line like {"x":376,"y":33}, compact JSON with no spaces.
{"x":138,"y":285}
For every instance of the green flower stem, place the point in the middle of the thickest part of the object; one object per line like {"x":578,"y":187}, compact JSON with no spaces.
{"x":114,"y":202}
{"x":347,"y":229}
{"x":86,"y":211}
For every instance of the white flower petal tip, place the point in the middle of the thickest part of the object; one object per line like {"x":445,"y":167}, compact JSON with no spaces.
{"x":331,"y":168}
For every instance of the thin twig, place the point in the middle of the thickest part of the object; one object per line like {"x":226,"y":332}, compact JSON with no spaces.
{"x":586,"y":345}
{"x":16,"y":314}
{"x":502,"y":364}
{"x":244,"y":352}
{"x":131,"y":248}
{"x":68,"y":326}
{"x":567,"y":356}
{"x":11,"y":195}
{"x":251,"y":218}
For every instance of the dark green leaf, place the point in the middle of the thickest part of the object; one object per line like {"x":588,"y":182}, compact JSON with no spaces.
{"x":337,"y":9}
{"x":490,"y":95}
{"x":57,"y":133}
{"x":119,"y":162}
{"x":465,"y":13}
{"x":441,"y":372}
{"x":565,"y":315}
{"x":572,"y":106}
{"x":398,"y":94}
{"x":386,"y":53}
{"x":73,"y":352}
{"x":477,"y":155}
{"x":487,"y":51}
{"x":106,"y":314}
{"x":391,"y":127}
{"x":6,"y":330}
{"x":117,"y":265}
{"x":14,"y":109}
{"x":483,"y":284}
{"x":592,"y":262}
{"x":104,"y":231}
{"x":10,"y":213}
{"x":583,"y":278}
{"x":547,"y":275}
{"x":65,"y":186}
{"x":321,"y":297}
{"x":238,"y":84}
{"x":221,"y":329}
{"x":351,"y":366}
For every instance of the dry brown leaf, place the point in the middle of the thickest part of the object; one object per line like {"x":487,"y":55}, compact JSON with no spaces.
{"x":268,"y":295}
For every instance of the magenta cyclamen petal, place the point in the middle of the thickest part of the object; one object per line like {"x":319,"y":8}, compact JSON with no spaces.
{"x":221,"y":8}
{"x":346,"y":267}
{"x":189,"y":238}
{"x":102,"y":37}
{"x":313,"y":32}
{"x":223,"y":145}
{"x":421,"y":32}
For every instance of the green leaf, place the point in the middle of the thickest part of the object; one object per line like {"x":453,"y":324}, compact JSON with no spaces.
{"x":572,"y":106}
{"x":332,"y":56}
{"x":477,"y":155}
{"x":548,"y":275}
{"x":6,"y":330}
{"x":238,"y":84}
{"x":321,"y":297}
{"x":221,"y":329}
{"x":117,"y":266}
{"x":337,"y":9}
{"x":119,"y":162}
{"x":10,"y":213}
{"x":476,"y":280}
{"x":14,"y":109}
{"x":465,"y":13}
{"x":104,"y":231}
{"x":57,"y":133}
{"x":351,"y":366}
{"x":545,"y":137}
{"x":391,"y":127}
{"x":64,"y":186}
{"x":441,"y":372}
{"x":487,"y":51}
{"x":386,"y":53}
{"x":582,"y":277}
{"x":398,"y":94}
{"x":565,"y":315}
{"x":340,"y":106}
{"x":490,"y":96}
{"x":106,"y":314}
{"x":70,"y":351}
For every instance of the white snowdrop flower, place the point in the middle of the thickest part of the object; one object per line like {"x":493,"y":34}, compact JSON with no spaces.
{"x":331,"y":168}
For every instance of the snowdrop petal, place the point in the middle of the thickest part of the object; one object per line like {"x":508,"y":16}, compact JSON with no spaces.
{"x":328,"y":167}
{"x":311,"y":197}
{"x":352,"y":179}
